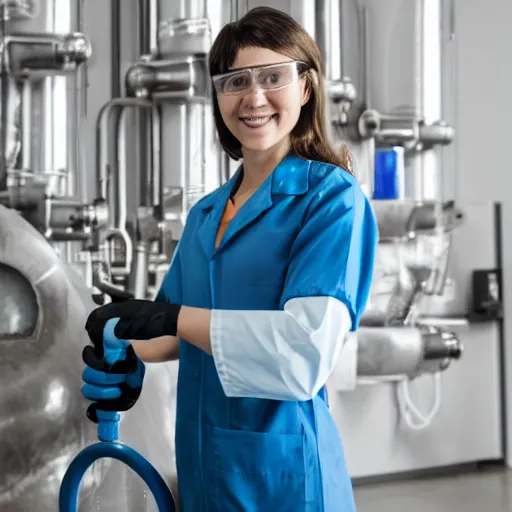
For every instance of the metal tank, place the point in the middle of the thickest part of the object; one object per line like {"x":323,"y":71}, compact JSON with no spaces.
{"x":43,"y":307}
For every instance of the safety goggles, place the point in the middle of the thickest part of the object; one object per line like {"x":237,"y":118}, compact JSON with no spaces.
{"x":271,"y":77}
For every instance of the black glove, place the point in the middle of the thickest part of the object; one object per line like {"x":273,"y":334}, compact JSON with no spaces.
{"x":111,"y":388}
{"x":139,"y":320}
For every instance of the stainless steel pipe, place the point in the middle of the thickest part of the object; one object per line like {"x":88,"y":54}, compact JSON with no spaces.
{"x":404,"y":351}
{"x":108,"y":169}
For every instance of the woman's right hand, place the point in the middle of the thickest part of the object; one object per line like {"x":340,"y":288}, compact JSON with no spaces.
{"x":114,"y":374}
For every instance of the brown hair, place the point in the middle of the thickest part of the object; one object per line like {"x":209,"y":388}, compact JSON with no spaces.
{"x":265,"y":27}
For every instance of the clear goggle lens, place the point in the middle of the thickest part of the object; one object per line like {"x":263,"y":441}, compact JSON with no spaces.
{"x":267,"y":78}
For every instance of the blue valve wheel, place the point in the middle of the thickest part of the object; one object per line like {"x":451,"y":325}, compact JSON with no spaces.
{"x":68,"y":498}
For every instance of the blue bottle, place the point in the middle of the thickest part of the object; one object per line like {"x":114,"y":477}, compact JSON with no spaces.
{"x":389,"y":179}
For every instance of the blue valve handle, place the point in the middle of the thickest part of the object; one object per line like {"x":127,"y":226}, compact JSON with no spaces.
{"x":114,"y":350}
{"x":108,"y":433}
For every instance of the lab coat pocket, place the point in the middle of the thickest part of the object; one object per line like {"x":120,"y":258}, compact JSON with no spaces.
{"x":254,"y":471}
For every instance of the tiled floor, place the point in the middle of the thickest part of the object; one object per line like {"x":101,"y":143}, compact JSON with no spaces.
{"x":482,"y":491}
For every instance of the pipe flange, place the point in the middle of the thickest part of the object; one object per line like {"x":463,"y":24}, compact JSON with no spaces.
{"x":342,"y":91}
{"x":369,"y":124}
{"x":75,"y":48}
{"x":98,"y":214}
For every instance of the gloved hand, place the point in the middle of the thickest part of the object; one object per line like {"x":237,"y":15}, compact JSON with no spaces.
{"x":114,"y":374}
{"x":139,"y":320}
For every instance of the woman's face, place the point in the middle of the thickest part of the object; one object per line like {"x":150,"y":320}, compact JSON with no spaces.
{"x":262,"y":107}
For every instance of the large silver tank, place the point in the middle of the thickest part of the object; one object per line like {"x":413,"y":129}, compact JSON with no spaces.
{"x":43,"y":308}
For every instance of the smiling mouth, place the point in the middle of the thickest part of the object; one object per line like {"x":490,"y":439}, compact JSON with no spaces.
{"x":257,"y":121}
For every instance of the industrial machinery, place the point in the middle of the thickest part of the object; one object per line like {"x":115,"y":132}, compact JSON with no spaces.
{"x":391,"y":69}
{"x":384,"y":76}
{"x":107,"y":140}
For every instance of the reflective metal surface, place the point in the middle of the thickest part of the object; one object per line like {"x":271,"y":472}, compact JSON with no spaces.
{"x":43,"y":106}
{"x":42,"y":417}
{"x":172,"y":80}
{"x":42,"y":55}
{"x":190,"y":36}
{"x":404,"y":351}
{"x":19,"y":310}
{"x":407,"y":218}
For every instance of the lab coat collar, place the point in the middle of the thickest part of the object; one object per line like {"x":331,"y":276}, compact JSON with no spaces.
{"x":289,"y":178}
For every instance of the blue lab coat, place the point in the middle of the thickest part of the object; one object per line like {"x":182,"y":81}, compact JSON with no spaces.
{"x":250,"y":454}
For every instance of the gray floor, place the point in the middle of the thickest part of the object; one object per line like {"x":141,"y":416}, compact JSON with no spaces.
{"x":483,"y":491}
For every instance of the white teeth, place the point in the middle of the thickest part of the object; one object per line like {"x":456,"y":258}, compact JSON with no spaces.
{"x":255,"y":122}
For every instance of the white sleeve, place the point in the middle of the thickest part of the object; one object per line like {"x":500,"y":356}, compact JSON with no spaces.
{"x":279,"y":355}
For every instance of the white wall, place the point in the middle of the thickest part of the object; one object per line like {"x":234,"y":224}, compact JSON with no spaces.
{"x":484,"y":131}
{"x":484,"y":111}
{"x":484,"y":99}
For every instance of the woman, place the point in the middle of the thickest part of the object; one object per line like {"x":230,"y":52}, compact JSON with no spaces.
{"x":273,"y":269}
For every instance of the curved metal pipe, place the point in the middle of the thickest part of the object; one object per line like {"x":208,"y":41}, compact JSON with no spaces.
{"x":107,"y":167}
{"x":104,"y":133}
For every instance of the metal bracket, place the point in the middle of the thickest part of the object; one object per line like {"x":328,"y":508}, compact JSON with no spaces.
{"x":182,"y":79}
{"x":404,"y":130}
{"x":41,"y":55}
